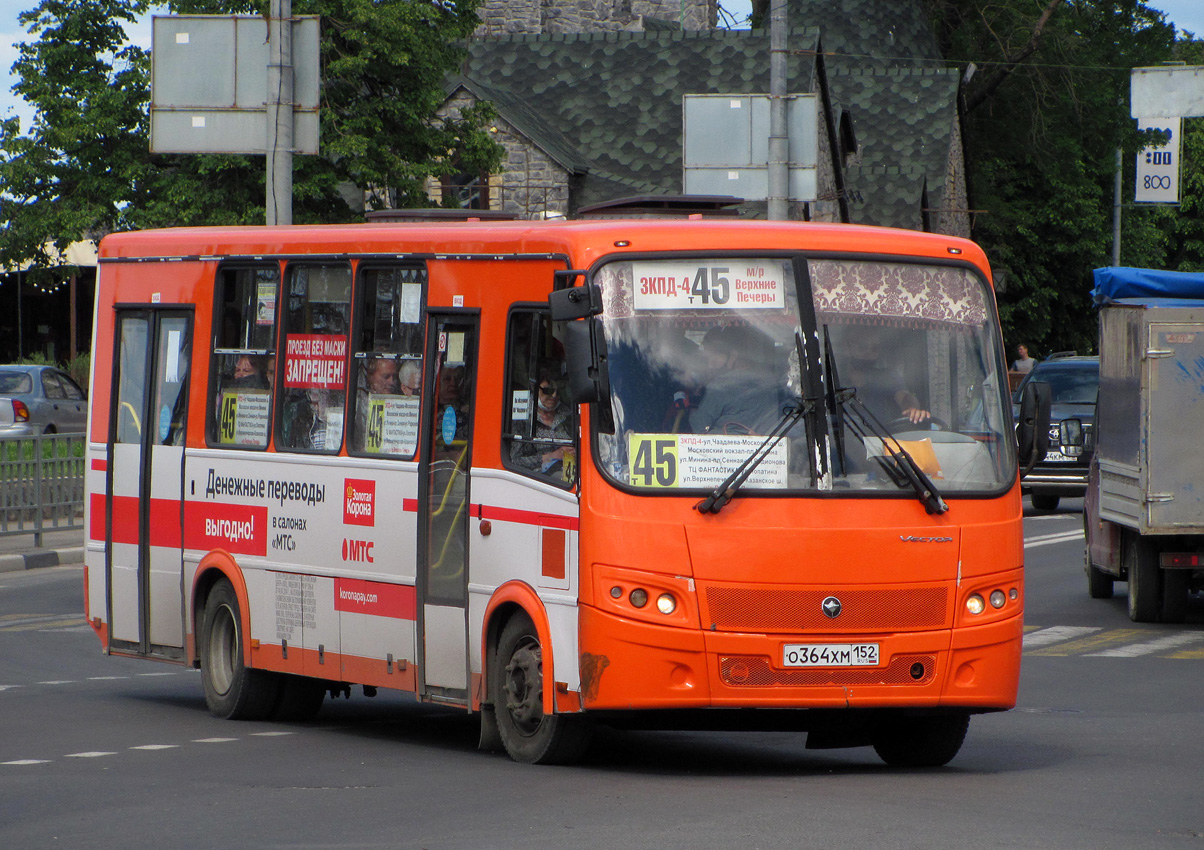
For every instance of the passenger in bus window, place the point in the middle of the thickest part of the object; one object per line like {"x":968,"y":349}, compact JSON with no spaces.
{"x":553,"y":422}
{"x":247,"y":374}
{"x":741,"y":394}
{"x":382,"y":376}
{"x":409,"y":376}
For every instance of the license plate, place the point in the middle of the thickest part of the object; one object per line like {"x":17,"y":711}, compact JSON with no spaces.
{"x":830,"y":655}
{"x":1058,"y":457}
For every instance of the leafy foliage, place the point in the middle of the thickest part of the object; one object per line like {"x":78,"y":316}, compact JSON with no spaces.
{"x":84,"y":168}
{"x":1041,"y":142}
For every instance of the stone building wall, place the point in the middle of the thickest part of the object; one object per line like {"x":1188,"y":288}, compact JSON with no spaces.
{"x":530,"y":185}
{"x":954,"y":217}
{"x":573,"y":16}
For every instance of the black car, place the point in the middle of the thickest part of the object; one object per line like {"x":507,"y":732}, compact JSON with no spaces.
{"x":1074,"y":384}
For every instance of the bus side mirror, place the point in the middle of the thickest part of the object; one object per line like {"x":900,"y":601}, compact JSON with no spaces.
{"x":575,"y":302}
{"x":586,"y":368}
{"x":1032,"y":432}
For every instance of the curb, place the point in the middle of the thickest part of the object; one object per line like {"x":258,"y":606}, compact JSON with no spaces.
{"x":40,"y":558}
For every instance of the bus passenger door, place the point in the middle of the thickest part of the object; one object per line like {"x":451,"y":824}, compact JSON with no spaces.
{"x":144,"y":519}
{"x":443,"y":495}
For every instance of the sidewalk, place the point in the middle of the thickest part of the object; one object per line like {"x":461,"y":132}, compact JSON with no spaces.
{"x":17,"y":551}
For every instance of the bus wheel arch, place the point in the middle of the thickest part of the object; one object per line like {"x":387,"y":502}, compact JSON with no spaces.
{"x":233,"y":690}
{"x":519,"y":713}
{"x":213,"y":568}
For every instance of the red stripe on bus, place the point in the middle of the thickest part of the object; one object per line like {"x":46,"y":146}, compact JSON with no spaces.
{"x":568,"y":523}
{"x":164,"y":521}
{"x":100,"y":465}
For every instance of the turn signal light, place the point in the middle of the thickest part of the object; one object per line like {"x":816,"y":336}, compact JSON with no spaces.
{"x":20,"y":411}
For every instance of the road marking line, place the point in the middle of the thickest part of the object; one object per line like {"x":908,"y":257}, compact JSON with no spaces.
{"x":1188,"y":653}
{"x":1051,"y":539}
{"x":212,"y":740}
{"x":105,"y":678}
{"x":1056,"y":634}
{"x":27,"y":761}
{"x":1151,"y":647}
{"x":1080,"y":646}
{"x":271,"y":734}
{"x":59,"y":682}
{"x":172,"y":673}
{"x":8,"y":687}
{"x":90,"y":755}
{"x":155,"y":747}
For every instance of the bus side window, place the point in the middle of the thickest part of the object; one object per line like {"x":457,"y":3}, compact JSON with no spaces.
{"x":387,"y":361}
{"x":539,"y":436}
{"x":316,"y":315}
{"x":244,"y":356}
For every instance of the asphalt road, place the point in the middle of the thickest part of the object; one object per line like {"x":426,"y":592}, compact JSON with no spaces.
{"x":1104,"y":751}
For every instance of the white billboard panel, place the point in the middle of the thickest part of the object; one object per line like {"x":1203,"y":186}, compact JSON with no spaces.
{"x":1167,"y":90}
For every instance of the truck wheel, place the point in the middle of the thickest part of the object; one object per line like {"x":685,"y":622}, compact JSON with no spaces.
{"x":1045,"y":501}
{"x":1145,"y":587}
{"x":1174,"y":595}
{"x":232,"y":690}
{"x":516,"y":688}
{"x":920,"y":741}
{"x":1099,"y":583}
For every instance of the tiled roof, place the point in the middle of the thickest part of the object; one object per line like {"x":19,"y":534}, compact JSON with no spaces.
{"x":608,"y":106}
{"x":904,"y":121}
{"x":616,"y":97}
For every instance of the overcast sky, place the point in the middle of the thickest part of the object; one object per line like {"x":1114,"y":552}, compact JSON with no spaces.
{"x":1186,"y":14}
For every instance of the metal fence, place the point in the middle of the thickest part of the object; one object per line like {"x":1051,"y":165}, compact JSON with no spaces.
{"x":41,"y":484}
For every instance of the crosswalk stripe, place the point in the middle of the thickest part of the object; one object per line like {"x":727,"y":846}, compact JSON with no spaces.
{"x":1152,"y":647}
{"x":1056,"y":634}
{"x":1082,"y":645}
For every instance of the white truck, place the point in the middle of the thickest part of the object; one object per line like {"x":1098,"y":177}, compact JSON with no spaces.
{"x":1144,"y":507}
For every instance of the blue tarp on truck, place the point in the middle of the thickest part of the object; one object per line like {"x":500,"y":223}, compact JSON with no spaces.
{"x":1121,"y":282}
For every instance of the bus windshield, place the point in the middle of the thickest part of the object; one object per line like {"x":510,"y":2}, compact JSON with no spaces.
{"x":707,"y":355}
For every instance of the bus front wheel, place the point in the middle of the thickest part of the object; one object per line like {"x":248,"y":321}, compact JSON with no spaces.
{"x":920,"y":741}
{"x":232,"y":690}
{"x":516,"y":688}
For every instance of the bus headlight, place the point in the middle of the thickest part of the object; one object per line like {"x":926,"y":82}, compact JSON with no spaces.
{"x":998,"y":598}
{"x":666,"y":604}
{"x":975,"y":604}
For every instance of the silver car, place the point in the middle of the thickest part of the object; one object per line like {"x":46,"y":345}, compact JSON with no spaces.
{"x":40,"y":400}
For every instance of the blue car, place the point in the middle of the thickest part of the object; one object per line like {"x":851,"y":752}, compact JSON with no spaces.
{"x":40,"y":400}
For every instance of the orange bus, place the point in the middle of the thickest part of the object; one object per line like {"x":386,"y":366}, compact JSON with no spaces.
{"x":561,"y":474}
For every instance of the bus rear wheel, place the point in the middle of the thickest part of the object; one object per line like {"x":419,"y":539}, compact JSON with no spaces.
{"x":232,"y":690}
{"x":1145,"y":579}
{"x":516,"y":687}
{"x":920,"y":741}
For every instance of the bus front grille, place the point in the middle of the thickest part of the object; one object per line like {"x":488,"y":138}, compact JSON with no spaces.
{"x":743,"y":609}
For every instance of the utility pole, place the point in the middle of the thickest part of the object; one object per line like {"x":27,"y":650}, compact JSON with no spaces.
{"x":280,"y":114}
{"x":779,"y":143}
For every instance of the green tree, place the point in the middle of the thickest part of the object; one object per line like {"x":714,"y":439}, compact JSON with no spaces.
{"x":79,"y":168}
{"x":1045,"y":111}
{"x":84,"y":166}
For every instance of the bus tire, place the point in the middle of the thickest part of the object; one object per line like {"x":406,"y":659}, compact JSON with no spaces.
{"x":300,"y":698}
{"x":516,"y":689}
{"x":1174,"y":595}
{"x":1145,"y":586}
{"x":920,"y":741}
{"x":232,"y":690}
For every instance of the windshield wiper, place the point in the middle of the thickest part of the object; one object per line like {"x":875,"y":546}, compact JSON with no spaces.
{"x":723,"y":494}
{"x":905,"y":470}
